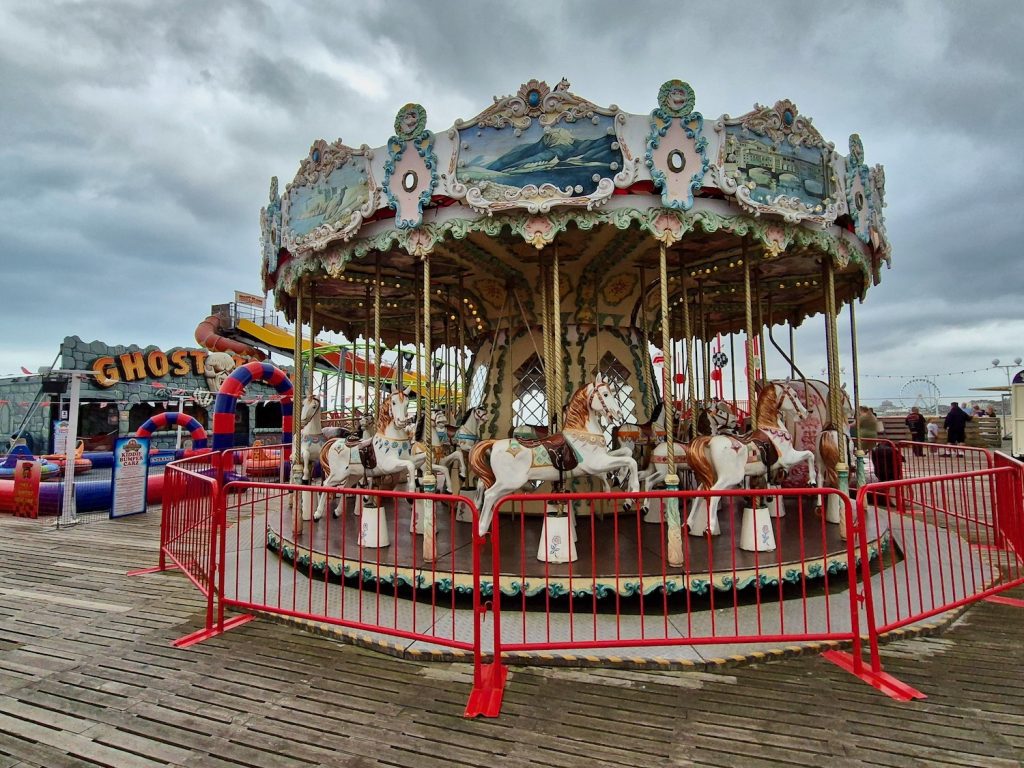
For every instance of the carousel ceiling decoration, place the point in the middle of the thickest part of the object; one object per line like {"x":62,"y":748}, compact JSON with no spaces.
{"x":492,"y":197}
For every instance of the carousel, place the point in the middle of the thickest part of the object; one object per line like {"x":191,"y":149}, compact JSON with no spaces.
{"x":539,"y":258}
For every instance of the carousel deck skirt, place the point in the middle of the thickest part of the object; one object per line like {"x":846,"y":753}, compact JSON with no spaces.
{"x":618,"y":555}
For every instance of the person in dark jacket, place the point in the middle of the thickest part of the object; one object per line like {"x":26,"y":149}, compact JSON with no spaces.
{"x":918,"y":426}
{"x":956,"y":425}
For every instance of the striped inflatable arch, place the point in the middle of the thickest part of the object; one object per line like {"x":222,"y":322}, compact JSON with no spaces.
{"x":234,"y":387}
{"x":162,"y":420}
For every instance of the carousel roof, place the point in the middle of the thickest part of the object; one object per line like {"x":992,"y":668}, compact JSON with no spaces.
{"x":491,"y":199}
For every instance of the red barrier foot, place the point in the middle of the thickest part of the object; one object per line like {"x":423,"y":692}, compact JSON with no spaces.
{"x":206,"y":634}
{"x":1016,"y":602}
{"x":881,"y":681}
{"x":154,"y":569}
{"x":485,"y":700}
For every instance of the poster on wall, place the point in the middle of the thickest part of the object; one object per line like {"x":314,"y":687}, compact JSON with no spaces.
{"x":26,"y":489}
{"x":60,"y":437}
{"x":130,"y":476}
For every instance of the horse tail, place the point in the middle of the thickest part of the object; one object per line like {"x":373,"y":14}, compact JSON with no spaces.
{"x":828,"y":449}
{"x":325,"y":462}
{"x":615,"y":438}
{"x":697,"y":458}
{"x":479,"y":464}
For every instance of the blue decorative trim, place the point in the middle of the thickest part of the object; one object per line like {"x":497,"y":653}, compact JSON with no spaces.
{"x":856,"y":169}
{"x":424,"y":144}
{"x":692,"y":124}
{"x":558,"y":587}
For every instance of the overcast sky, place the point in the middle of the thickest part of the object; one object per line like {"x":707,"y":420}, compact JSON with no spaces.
{"x":137,"y":140}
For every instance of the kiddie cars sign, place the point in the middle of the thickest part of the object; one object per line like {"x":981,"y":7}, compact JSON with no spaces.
{"x":155,"y":364}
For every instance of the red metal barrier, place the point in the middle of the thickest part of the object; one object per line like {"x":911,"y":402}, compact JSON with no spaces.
{"x":947,"y":529}
{"x":936,"y":459}
{"x":364,"y":569}
{"x":804,"y":590}
{"x":958,"y":538}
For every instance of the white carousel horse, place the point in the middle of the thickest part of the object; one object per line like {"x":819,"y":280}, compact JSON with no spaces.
{"x":311,"y":436}
{"x":440,"y":463}
{"x":723,"y":461}
{"x":390,"y":448}
{"x":505,"y":466}
{"x":718,"y":418}
{"x":807,"y":433}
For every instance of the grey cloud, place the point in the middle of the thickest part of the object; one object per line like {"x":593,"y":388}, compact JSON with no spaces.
{"x":138,"y":138}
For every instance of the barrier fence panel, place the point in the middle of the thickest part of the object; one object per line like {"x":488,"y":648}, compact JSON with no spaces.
{"x":636,"y":583}
{"x":1009,"y":508}
{"x":359,"y":563}
{"x":936,"y":459}
{"x":188,"y":529}
{"x":946,"y":530}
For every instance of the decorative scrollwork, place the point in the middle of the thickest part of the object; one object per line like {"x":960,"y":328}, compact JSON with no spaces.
{"x":783,"y":122}
{"x":321,"y":160}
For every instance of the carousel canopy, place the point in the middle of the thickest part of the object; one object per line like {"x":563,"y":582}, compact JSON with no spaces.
{"x":492,"y":200}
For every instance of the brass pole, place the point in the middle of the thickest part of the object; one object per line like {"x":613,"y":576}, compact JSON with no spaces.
{"x":749,"y":313}
{"x":376,"y":337}
{"x":556,"y":340}
{"x":691,"y":385}
{"x":672,"y":520}
{"x":296,"y":474}
{"x":856,"y":390}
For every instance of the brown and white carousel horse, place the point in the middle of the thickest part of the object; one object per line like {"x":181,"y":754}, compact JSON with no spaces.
{"x":725,"y":461}
{"x":505,"y":466}
{"x":389,"y":452}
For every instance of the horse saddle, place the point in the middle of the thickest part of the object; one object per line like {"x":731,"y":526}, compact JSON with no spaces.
{"x":767,"y":453}
{"x":451,"y":431}
{"x":367,"y":455}
{"x":560,"y":451}
{"x":538,"y":431}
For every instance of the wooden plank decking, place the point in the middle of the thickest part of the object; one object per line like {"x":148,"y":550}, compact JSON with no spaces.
{"x":88,"y":677}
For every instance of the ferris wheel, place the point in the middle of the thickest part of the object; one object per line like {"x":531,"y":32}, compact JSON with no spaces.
{"x":924,"y":393}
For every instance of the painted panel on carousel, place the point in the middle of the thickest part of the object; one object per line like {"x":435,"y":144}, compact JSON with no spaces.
{"x":538,"y":149}
{"x":270,"y":235}
{"x":774,"y":161}
{"x":410,"y":172}
{"x":676,"y":150}
{"x":330,"y":196}
{"x":859,"y":193}
{"x":876,"y":183}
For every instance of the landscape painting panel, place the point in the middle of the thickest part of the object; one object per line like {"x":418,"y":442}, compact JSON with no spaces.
{"x":331,"y":200}
{"x":567,"y":155}
{"x":776,"y":169}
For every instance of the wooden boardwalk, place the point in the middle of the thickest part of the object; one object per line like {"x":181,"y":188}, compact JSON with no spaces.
{"x":88,"y":677}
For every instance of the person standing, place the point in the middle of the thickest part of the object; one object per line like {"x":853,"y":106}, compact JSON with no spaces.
{"x":867,"y":424}
{"x":916,"y":424}
{"x":956,"y":425}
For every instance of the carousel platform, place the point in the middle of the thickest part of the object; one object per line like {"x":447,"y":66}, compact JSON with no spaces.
{"x":618,"y":554}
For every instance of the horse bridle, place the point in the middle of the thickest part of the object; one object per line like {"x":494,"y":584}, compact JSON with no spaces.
{"x":604,"y":405}
{"x":305,"y":421}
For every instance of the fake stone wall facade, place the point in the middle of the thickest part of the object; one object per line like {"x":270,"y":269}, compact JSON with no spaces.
{"x":17,"y":395}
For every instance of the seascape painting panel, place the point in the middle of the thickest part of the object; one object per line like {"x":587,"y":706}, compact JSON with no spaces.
{"x":776,"y":169}
{"x":331,"y":201}
{"x":568,"y":155}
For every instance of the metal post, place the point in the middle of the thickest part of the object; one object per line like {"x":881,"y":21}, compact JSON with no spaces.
{"x":69,"y":515}
{"x":429,"y":480}
{"x":296,"y":474}
{"x":859,"y":453}
{"x":672,"y":519}
{"x":181,"y":410}
{"x":749,"y":317}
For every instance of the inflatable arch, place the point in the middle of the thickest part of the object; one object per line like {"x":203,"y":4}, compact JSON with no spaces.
{"x":232,"y":389}
{"x":162,"y":420}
